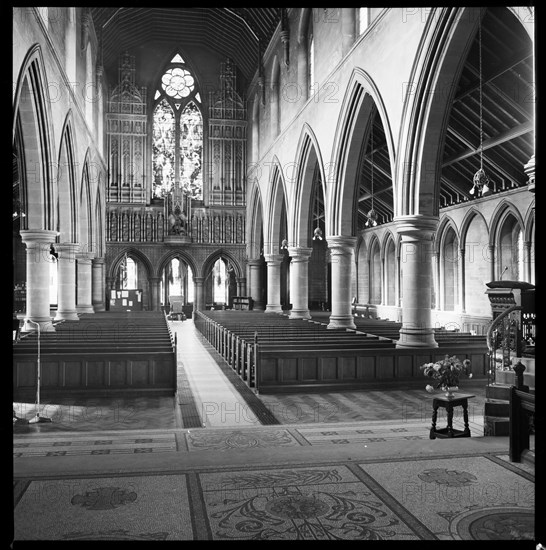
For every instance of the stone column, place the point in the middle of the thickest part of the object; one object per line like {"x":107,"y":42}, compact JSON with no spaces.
{"x":342,"y":252}
{"x":97,"y":284}
{"x":83,"y":267}
{"x":491,"y":250}
{"x":66,"y":282}
{"x":529,"y":261}
{"x":273,"y":283}
{"x":110,"y":281}
{"x":416,"y":255}
{"x":462,"y":282}
{"x":256,"y":282}
{"x":38,"y":243}
{"x":198,"y":298}
{"x":241,"y":286}
{"x":436,"y":278}
{"x":299,"y":282}
{"x":154,"y":282}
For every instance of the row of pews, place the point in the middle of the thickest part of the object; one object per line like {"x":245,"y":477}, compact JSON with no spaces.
{"x":273,"y":353}
{"x":391,"y":329}
{"x":100,"y":353}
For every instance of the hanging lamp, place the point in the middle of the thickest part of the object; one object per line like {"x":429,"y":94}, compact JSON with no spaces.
{"x":372,"y":214}
{"x":481,"y":180}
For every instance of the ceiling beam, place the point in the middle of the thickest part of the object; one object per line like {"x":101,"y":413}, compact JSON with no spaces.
{"x":499,"y":139}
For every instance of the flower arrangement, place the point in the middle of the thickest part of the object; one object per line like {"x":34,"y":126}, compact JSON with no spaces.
{"x":446,"y":372}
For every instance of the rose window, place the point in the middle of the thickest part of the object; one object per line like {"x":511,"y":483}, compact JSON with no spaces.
{"x":177,"y":83}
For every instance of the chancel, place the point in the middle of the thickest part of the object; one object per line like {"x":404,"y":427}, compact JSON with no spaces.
{"x":273,"y":274}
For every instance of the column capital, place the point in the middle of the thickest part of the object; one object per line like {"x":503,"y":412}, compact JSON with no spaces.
{"x":199,"y":280}
{"x":154,"y":279}
{"x":254,"y":262}
{"x":84,"y":257}
{"x":299,"y":253}
{"x":273,"y":258}
{"x":416,"y":226}
{"x":38,"y":236}
{"x":341,"y":241}
{"x":98,"y":261}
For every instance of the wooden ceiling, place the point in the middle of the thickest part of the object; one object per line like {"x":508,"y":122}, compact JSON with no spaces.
{"x":230,"y":32}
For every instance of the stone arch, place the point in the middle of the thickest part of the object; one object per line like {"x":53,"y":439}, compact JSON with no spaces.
{"x":66,"y":184}
{"x":133,"y":252}
{"x":277,"y":197}
{"x":255,"y":229}
{"x":375,"y":270}
{"x":84,"y":212}
{"x":361,"y":97}
{"x":32,"y":122}
{"x":307,"y":156}
{"x":503,"y":209}
{"x":390,"y":267}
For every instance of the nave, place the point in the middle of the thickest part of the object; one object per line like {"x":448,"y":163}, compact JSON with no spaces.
{"x":218,"y":462}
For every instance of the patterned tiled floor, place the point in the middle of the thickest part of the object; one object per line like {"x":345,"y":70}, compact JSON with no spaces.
{"x":338,"y":466}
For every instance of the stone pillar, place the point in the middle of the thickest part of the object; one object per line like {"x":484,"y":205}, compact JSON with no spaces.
{"x":97,"y":284}
{"x":83,"y":267}
{"x":416,"y":255}
{"x":529,"y":261}
{"x":66,"y":282}
{"x":462,"y":282}
{"x":256,"y":283}
{"x":299,"y":282}
{"x":491,"y":250}
{"x":198,"y":297}
{"x":273,"y":283}
{"x":38,"y":243}
{"x":241,"y":286}
{"x":110,"y":281}
{"x":342,"y":251}
{"x":154,"y":283}
{"x":436,"y":278}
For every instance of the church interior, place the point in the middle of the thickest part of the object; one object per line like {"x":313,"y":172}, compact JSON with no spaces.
{"x":261,"y":257}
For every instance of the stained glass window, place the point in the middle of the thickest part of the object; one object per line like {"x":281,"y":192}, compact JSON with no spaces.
{"x":163,"y":147}
{"x":178,"y":131}
{"x":177,"y":82}
{"x":191,"y":150}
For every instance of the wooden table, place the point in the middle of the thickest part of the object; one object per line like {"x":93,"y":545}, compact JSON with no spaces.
{"x":448,"y":403}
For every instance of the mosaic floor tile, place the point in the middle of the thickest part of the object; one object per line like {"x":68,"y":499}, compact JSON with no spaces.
{"x":467,"y":498}
{"x":223,"y":440}
{"x":321,"y":503}
{"x":150,"y":508}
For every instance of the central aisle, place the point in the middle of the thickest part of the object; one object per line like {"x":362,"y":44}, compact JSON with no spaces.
{"x":218,"y":403}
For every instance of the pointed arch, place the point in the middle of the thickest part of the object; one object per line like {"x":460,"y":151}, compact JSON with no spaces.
{"x":360,"y":99}
{"x":308,"y":156}
{"x":443,"y":49}
{"x":275,"y":204}
{"x":67,"y":193}
{"x":255,"y":229}
{"x":170,"y":255}
{"x":32,"y":122}
{"x":504,"y":208}
{"x":85,"y":215}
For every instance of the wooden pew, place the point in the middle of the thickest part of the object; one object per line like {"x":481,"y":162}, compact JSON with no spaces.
{"x":101,"y":353}
{"x":522,"y":410}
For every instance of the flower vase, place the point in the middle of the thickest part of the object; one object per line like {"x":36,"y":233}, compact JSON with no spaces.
{"x":450,"y":391}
